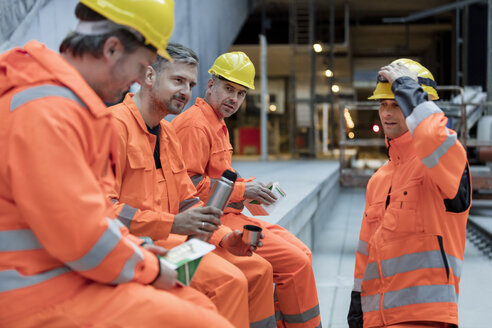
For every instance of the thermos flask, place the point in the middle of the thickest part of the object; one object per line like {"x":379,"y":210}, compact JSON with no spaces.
{"x":220,"y":194}
{"x":222,"y":190}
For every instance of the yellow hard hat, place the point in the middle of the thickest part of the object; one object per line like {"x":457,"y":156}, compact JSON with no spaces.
{"x":235,"y":67}
{"x":154,"y":19}
{"x":425,"y":79}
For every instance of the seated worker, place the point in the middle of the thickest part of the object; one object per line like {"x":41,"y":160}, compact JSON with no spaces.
{"x":207,"y":153}
{"x":155,"y":197}
{"x":412,"y":238}
{"x":63,"y":262}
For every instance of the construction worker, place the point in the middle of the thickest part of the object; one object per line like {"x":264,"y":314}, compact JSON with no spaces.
{"x":207,"y":153}
{"x":154,"y":196}
{"x":64,"y":263}
{"x":412,"y":238}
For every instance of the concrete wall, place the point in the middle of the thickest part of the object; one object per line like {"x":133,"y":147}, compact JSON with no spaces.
{"x":207,"y":26}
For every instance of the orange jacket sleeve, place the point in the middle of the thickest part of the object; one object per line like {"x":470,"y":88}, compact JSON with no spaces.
{"x":153,"y":224}
{"x":54,"y":179}
{"x":196,"y":145}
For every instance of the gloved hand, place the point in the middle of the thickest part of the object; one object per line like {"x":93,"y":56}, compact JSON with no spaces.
{"x":258,"y":191}
{"x":233,"y":242}
{"x":394,"y":71}
{"x":168,"y":277}
{"x":197,"y":221}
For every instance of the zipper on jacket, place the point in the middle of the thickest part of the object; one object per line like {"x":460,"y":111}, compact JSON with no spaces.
{"x":443,"y":254}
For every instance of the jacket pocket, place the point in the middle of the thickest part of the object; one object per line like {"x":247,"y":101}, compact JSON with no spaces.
{"x":137,"y":160}
{"x":443,"y":255}
{"x":373,"y":215}
{"x":402,"y":214}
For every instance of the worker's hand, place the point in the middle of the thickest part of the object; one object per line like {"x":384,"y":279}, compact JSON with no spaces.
{"x":197,"y":221}
{"x":233,"y":242}
{"x":394,"y":71}
{"x":167,"y":277}
{"x":258,"y":191}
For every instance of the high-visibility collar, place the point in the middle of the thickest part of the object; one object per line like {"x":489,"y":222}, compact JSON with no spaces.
{"x":401,"y":148}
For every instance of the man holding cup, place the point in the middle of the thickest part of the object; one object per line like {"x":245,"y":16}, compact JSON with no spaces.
{"x":207,"y":153}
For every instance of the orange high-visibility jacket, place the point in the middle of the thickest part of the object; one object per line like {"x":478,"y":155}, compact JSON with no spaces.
{"x":155,"y":195}
{"x":56,"y":136}
{"x":208,"y":137}
{"x":412,"y":238}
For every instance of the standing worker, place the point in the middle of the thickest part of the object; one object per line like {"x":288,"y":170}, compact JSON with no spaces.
{"x":412,"y":238}
{"x":155,"y":197}
{"x":64,"y":263}
{"x":207,"y":153}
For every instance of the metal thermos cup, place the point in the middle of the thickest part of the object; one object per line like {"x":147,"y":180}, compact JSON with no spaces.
{"x":220,"y":194}
{"x":222,"y":190}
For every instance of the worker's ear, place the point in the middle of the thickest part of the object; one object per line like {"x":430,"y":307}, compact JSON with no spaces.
{"x":150,"y":76}
{"x":210,"y":83}
{"x":113,"y":49}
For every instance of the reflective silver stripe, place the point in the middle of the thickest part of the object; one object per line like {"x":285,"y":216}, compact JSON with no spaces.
{"x":362,"y":248}
{"x":187,"y":203}
{"x":372,"y":271}
{"x":196,"y":179}
{"x":269,"y":322}
{"x":236,"y":205}
{"x":456,"y":264}
{"x":419,"y":295}
{"x":433,"y":159}
{"x":11,"y":279}
{"x":420,"y":113}
{"x":370,"y":303}
{"x":43,"y":91}
{"x":128,"y":271}
{"x":18,"y":240}
{"x":126,"y":215}
{"x":106,"y":243}
{"x":299,"y":318}
{"x":357,"y":285}
{"x":421,"y":260}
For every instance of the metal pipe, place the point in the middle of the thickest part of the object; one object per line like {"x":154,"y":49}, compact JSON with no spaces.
{"x":264,"y":87}
{"x":489,"y":54}
{"x":431,"y":12}
{"x":464,"y":127}
{"x":312,"y":75}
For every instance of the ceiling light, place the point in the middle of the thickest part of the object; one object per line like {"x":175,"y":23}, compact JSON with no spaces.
{"x":317,"y":47}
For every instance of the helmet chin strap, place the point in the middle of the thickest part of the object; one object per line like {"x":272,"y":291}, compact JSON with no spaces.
{"x":103,"y":27}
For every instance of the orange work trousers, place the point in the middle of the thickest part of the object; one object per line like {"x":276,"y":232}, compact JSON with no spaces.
{"x":296,"y":298}
{"x":128,"y":305}
{"x":240,"y":286}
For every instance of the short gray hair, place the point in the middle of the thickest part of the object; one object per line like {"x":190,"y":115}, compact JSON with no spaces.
{"x":179,"y":53}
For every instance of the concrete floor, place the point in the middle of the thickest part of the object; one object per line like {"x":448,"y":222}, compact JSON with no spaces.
{"x":334,"y":259}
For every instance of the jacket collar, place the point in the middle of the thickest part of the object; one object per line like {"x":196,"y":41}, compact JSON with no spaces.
{"x":401,"y":148}
{"x":215,"y":123}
